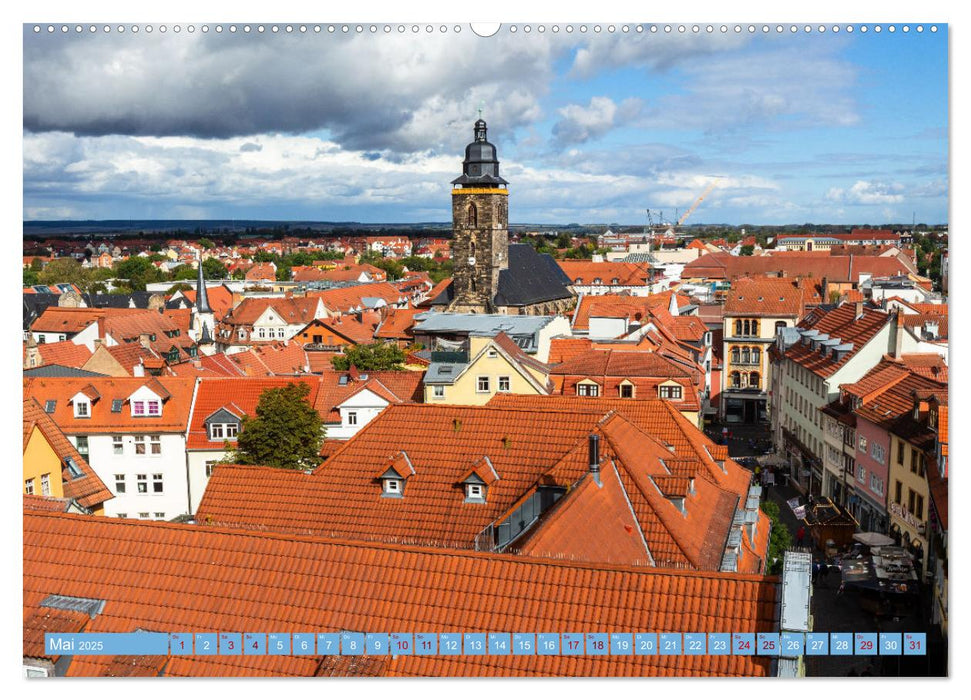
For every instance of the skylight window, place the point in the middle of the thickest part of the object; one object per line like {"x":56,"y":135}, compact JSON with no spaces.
{"x":50,"y":406}
{"x":72,"y":467}
{"x":116,"y":405}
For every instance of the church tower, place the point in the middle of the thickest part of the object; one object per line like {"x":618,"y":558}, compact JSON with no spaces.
{"x":480,"y":227}
{"x":203,"y":320}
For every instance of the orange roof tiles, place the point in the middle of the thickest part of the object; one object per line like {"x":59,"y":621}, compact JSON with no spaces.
{"x":242,"y":392}
{"x":291,"y":310}
{"x":397,"y":325}
{"x":616,"y":303}
{"x":442,"y":445}
{"x":271,"y":358}
{"x":842,"y":323}
{"x":393,"y":387}
{"x":87,"y":489}
{"x":160,"y":576}
{"x":347,"y":299}
{"x":175,"y":411}
{"x":56,"y":319}
{"x":835,"y":268}
{"x":64,"y":353}
{"x":764,"y":298}
{"x":220,"y":299}
{"x":586,"y":272}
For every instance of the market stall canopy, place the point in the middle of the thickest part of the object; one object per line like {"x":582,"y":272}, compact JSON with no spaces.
{"x":873,"y":539}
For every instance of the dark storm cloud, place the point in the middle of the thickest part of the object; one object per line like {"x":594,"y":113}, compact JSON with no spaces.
{"x":367,"y":92}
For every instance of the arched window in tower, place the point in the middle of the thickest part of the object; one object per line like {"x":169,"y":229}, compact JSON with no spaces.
{"x":472,"y":284}
{"x":472,"y":249}
{"x":473,"y":218}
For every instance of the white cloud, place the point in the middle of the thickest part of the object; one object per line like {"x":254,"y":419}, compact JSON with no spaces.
{"x":580,"y":123}
{"x":867,"y":192}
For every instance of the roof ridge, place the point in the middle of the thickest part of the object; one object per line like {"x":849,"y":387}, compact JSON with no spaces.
{"x":392,"y":546}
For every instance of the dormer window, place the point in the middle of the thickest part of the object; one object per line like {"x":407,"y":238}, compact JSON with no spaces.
{"x":475,"y":493}
{"x":393,"y":486}
{"x":152,"y":408}
{"x":82,"y":409}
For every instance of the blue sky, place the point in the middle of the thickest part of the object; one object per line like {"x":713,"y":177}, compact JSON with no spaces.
{"x":831,"y":128}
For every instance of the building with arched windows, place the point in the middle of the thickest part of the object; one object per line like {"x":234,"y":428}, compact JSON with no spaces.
{"x":754,"y":312}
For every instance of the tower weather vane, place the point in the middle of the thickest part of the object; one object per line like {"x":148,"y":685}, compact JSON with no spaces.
{"x":481,"y":107}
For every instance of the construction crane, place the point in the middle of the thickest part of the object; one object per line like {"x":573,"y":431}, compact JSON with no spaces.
{"x":711,"y":186}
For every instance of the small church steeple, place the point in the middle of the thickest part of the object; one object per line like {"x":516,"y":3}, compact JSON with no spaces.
{"x":202,"y":297}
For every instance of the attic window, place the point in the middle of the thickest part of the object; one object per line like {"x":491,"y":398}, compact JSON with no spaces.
{"x":82,"y":409}
{"x":116,"y":405}
{"x":615,"y":280}
{"x":50,"y":405}
{"x":475,"y":493}
{"x":493,"y":352}
{"x":392,"y":487}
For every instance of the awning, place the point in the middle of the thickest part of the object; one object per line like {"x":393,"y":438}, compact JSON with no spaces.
{"x":873,"y":539}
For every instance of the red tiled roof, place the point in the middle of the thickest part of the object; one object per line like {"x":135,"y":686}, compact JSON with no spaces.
{"x":272,"y":358}
{"x":242,"y":392}
{"x":162,"y":584}
{"x":46,"y":504}
{"x":835,"y":268}
{"x":292,"y":310}
{"x":220,"y":300}
{"x":764,"y":298}
{"x":347,"y":299}
{"x":563,"y":349}
{"x":393,"y":387}
{"x":584,"y":272}
{"x":842,"y":323}
{"x":348,"y":326}
{"x":397,"y":325}
{"x":261,"y":271}
{"x":64,"y":353}
{"x":56,"y":319}
{"x":438,"y":289}
{"x":620,"y":364}
{"x":617,"y":303}
{"x":175,"y":411}
{"x":217,"y":365}
{"x":128,"y":355}
{"x":87,"y":489}
{"x":442,"y":445}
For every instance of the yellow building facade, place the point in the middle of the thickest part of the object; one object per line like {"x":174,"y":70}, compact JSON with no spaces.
{"x":42,"y":467}
{"x":491,"y":370}
{"x":908,"y":502}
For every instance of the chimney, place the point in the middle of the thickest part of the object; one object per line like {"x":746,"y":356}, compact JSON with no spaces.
{"x":898,"y":335}
{"x":143,"y":340}
{"x":849,"y":274}
{"x":138,"y":370}
{"x":859,"y":311}
{"x":824,"y":289}
{"x":594,"y":451}
{"x":97,"y":343}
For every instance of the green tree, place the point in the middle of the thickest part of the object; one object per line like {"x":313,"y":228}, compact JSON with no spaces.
{"x":285,"y":432}
{"x":36,"y":264}
{"x":369,"y":358}
{"x":780,"y":539}
{"x":747,"y":250}
{"x":30,"y":277}
{"x":138,"y":271}
{"x":214,"y":270}
{"x":65,"y":270}
{"x":206,"y":243}
{"x":98,"y":288}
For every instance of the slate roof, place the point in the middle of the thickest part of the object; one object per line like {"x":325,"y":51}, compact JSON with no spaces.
{"x":531,"y":278}
{"x":155,"y":575}
{"x":59,"y":371}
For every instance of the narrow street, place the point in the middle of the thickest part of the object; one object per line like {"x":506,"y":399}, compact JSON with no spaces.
{"x":835,"y":612}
